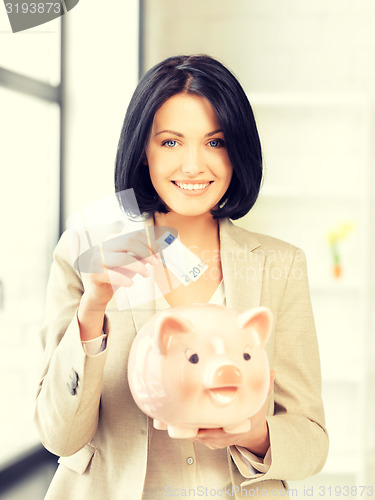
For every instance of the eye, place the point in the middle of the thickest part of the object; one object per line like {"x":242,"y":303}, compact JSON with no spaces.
{"x":246,"y":356}
{"x":170,"y":143}
{"x":194,"y":358}
{"x":217,"y":143}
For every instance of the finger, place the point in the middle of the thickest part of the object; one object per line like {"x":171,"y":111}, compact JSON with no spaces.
{"x":135,"y":242}
{"x":139,"y":248}
{"x":213,"y":444}
{"x":130,"y":270}
{"x":112,"y":259}
{"x":206,"y":432}
{"x":215,"y":433}
{"x":136,"y":267}
{"x":213,"y":447}
{"x":134,"y":252}
{"x":118,"y":278}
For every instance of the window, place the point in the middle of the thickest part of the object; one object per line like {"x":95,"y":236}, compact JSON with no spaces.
{"x":30,"y":104}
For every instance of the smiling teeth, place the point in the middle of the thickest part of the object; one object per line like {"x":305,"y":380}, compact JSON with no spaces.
{"x":191,"y":187}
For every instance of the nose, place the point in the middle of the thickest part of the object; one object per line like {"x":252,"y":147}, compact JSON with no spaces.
{"x":227,"y":375}
{"x":192,"y":163}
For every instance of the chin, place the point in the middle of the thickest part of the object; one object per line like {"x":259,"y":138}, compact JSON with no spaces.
{"x":191,"y":212}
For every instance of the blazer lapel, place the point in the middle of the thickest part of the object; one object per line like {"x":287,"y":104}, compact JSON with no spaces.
{"x":242,"y":265}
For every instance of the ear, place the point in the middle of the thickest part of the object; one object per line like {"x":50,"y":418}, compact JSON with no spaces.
{"x":259,"y":321}
{"x":144,"y":160}
{"x":168,"y":328}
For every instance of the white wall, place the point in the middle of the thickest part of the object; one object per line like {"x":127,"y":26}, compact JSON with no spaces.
{"x":272,"y":45}
{"x":307,"y":67}
{"x":101,"y":74}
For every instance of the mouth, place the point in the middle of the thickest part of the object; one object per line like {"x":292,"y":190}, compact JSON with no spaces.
{"x":196,"y":187}
{"x":223,"y":395}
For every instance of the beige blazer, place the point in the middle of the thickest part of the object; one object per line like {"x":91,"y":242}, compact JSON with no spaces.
{"x":86,"y":415}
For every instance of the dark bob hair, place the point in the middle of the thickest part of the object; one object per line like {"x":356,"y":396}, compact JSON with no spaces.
{"x":204,"y":76}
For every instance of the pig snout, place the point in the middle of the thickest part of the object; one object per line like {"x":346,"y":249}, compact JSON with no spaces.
{"x":222,"y":383}
{"x":225,"y":375}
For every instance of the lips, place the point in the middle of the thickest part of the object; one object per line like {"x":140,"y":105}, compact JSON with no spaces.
{"x":192,"y":186}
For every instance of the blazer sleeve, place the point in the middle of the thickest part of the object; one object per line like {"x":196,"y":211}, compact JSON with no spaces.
{"x":298,"y":438}
{"x":68,"y":397}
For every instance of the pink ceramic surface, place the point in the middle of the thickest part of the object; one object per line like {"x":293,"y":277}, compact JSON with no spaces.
{"x":201,"y":366}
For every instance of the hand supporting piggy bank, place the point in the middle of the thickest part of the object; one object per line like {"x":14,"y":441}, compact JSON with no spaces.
{"x":201,"y":366}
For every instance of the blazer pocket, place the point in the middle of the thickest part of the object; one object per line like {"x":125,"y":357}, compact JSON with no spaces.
{"x":80,"y":460}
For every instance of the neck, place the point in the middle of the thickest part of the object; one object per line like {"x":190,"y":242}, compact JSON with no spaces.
{"x":190,"y":229}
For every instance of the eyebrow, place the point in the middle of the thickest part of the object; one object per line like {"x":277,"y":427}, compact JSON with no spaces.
{"x":181,"y":135}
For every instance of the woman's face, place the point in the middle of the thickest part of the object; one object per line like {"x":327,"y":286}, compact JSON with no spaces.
{"x":187,"y":155}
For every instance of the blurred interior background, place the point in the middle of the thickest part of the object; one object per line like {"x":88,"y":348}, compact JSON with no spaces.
{"x":309,"y":72}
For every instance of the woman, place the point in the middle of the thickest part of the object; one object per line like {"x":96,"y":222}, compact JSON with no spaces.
{"x":189,"y":148}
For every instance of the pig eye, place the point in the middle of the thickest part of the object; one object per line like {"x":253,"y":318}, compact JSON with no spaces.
{"x":246,"y":356}
{"x":191,"y":356}
{"x":194,"y":358}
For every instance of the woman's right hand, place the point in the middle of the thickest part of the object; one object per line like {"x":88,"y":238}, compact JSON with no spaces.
{"x":108,"y":266}
{"x":118,"y":259}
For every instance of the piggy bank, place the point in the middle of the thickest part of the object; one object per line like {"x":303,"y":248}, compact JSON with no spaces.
{"x":201,"y":366}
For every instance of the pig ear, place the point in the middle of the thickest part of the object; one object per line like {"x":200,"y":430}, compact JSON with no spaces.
{"x":168,"y":328}
{"x":259,"y":321}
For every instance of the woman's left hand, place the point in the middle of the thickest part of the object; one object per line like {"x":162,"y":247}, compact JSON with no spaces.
{"x":255,"y":440}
